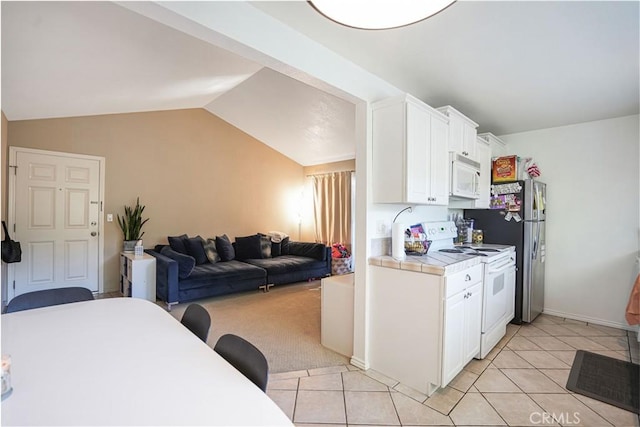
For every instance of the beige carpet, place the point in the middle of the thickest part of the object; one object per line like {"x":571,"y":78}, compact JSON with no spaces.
{"x":283,"y":323}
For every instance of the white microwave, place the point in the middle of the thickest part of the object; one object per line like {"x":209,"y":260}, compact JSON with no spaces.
{"x":465,"y":177}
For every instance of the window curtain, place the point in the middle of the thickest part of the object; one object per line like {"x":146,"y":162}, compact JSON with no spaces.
{"x":332,"y":208}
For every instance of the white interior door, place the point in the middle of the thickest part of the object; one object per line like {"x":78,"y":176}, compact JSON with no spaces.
{"x":56,"y":206}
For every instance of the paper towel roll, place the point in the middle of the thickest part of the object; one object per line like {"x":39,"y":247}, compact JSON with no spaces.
{"x":397,"y":241}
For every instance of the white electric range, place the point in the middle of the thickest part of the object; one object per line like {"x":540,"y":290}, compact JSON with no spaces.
{"x":499,"y":261}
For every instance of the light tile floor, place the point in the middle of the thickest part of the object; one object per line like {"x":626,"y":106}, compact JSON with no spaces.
{"x":520,"y":383}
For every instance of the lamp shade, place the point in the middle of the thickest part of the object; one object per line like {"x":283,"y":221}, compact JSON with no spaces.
{"x":379,"y":14}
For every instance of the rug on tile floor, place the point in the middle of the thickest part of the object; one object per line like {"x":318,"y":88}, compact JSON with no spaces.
{"x":283,"y":323}
{"x":604,"y":378}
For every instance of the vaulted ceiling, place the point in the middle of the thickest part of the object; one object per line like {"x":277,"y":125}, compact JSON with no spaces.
{"x":510,"y":66}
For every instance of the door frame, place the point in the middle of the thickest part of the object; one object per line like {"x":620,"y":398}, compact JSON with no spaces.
{"x":11,"y":207}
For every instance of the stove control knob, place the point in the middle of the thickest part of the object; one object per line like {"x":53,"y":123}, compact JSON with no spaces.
{"x":432,"y":231}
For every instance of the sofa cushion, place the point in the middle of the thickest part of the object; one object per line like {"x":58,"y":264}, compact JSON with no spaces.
{"x":195,"y":248}
{"x":225,"y":248}
{"x":177,"y":243}
{"x":211,"y":251}
{"x":248,"y":247}
{"x":312,"y":250}
{"x":186,"y":263}
{"x":287,"y":264}
{"x":221,"y":274}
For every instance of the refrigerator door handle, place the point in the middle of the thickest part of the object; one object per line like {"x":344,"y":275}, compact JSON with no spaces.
{"x":534,"y":252}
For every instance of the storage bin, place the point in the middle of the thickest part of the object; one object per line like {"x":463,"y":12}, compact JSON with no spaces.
{"x":340,"y":266}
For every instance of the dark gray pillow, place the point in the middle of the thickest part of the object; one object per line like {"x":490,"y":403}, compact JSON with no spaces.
{"x":276,"y":249}
{"x":284,"y":246}
{"x":225,"y":248}
{"x":177,"y":243}
{"x":185,"y":262}
{"x":248,"y":247}
{"x":195,"y":248}
{"x":211,"y":251}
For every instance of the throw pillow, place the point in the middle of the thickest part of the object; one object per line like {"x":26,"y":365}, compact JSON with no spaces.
{"x":185,"y":262}
{"x":276,"y":249}
{"x":195,"y":248}
{"x":265,"y":245}
{"x":248,"y":247}
{"x":225,"y":248}
{"x":284,"y":246}
{"x":211,"y":251}
{"x":177,"y":243}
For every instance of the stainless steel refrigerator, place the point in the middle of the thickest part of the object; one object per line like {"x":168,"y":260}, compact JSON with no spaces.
{"x":517,"y":217}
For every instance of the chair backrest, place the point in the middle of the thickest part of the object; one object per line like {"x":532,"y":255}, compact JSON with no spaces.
{"x":245,"y":357}
{"x":197,"y":320}
{"x":47,"y":297}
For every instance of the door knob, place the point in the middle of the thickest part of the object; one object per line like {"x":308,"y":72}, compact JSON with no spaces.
{"x":94,"y":234}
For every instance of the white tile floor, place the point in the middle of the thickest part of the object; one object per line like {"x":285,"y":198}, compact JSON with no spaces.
{"x":520,"y":383}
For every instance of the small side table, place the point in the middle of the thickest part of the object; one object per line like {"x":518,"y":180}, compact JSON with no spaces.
{"x":138,"y":276}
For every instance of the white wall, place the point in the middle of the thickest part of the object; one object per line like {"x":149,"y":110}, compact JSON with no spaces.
{"x":593,"y":223}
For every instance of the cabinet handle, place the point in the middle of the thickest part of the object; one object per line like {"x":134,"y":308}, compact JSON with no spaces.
{"x":469,"y":294}
{"x":467,"y":278}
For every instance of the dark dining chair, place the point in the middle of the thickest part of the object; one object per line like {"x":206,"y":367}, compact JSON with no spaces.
{"x":245,"y":357}
{"x":197,"y":320}
{"x":48,"y":297}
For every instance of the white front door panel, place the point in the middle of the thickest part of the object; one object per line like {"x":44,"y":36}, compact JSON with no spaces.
{"x":57,"y":214}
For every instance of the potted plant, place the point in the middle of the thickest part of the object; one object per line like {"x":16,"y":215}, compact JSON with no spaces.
{"x":131,"y":225}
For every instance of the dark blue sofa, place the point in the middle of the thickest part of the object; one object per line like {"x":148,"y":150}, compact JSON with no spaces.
{"x":304,"y":261}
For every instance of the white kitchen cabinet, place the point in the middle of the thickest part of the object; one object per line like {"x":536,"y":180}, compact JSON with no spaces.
{"x":462,"y":330}
{"x":462,"y":132}
{"x":409,"y":152}
{"x":424,"y":328}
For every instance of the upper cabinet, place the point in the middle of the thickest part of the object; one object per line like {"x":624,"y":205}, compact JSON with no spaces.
{"x":483,"y":156}
{"x":462,"y":132}
{"x":410,"y":152}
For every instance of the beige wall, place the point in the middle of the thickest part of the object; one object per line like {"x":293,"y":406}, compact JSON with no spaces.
{"x":195,"y":173}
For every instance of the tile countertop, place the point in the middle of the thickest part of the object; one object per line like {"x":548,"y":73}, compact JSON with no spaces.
{"x":438,"y":263}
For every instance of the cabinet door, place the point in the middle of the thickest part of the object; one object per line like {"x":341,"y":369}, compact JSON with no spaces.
{"x":469,"y":137}
{"x":483,"y":155}
{"x":472,"y":322}
{"x":456,"y":134}
{"x":439,"y":164}
{"x":418,"y":155}
{"x":454,"y":336}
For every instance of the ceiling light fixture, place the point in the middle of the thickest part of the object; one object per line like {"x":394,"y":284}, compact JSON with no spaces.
{"x":378,"y":14}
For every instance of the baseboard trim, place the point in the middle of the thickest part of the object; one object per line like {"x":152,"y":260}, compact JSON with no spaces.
{"x":588,"y":319}
{"x":358,"y":363}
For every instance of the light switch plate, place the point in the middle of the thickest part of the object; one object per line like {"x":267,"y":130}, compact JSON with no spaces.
{"x":109,"y":217}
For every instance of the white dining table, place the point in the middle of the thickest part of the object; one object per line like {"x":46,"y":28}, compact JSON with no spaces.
{"x":122,"y":361}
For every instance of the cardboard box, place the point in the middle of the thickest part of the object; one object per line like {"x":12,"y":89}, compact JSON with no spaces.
{"x":504,"y":169}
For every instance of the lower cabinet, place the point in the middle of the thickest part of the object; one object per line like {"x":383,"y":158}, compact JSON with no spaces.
{"x":424,"y":328}
{"x":462,"y":330}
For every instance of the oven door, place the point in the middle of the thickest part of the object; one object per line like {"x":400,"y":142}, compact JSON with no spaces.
{"x":496,"y":292}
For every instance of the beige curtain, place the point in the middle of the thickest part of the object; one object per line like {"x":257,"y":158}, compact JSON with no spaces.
{"x":332,"y":207}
